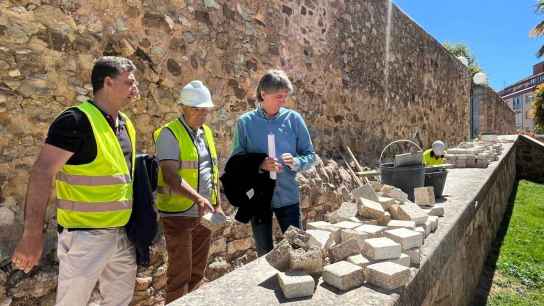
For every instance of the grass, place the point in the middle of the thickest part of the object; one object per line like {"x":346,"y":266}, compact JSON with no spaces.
{"x":519,"y":277}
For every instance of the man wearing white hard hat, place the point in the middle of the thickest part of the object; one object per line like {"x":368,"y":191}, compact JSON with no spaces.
{"x":187,"y":188}
{"x":435,"y":155}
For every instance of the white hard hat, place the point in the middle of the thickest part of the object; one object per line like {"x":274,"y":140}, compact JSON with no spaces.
{"x":438,"y":147}
{"x":195,"y":94}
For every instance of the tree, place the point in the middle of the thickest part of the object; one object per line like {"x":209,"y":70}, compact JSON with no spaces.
{"x":459,"y":49}
{"x":538,"y":112}
{"x":538,"y":30}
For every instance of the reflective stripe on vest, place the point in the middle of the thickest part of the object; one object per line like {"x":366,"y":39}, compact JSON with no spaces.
{"x":188,"y":170}
{"x":97,"y":194}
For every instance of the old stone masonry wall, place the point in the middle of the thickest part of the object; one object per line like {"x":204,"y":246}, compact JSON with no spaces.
{"x":353,"y":85}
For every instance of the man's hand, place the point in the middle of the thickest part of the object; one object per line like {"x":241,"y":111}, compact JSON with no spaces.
{"x":288,"y":160}
{"x":271,"y":165}
{"x":204,"y":205}
{"x":28,"y":252}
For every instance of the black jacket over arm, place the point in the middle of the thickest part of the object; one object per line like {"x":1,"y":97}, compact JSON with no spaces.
{"x":142,"y":226}
{"x":241,"y":178}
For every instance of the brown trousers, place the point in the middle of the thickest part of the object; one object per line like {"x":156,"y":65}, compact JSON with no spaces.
{"x":188,"y":244}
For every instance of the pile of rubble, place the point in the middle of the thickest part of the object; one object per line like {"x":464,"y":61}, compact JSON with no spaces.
{"x":474,"y":154}
{"x":373,"y":239}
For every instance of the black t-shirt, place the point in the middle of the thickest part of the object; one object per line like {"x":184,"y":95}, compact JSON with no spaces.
{"x":72,"y":131}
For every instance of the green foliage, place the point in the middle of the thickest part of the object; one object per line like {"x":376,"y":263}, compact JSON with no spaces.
{"x":538,"y":102}
{"x":459,"y":49}
{"x":538,"y":30}
{"x":519,"y":278}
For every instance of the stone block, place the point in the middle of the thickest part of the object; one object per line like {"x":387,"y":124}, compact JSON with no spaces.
{"x":309,"y":261}
{"x":381,"y":248}
{"x":482,"y":163}
{"x":279,"y":256}
{"x":297,"y":237}
{"x":320,"y":239}
{"x":401,"y":224}
{"x":386,"y":202}
{"x":355,"y":219}
{"x":403,"y":260}
{"x":415,"y":256}
{"x":370,"y":209}
{"x":396,"y":193}
{"x":348,"y":234}
{"x":343,"y":250}
{"x":296,"y":284}
{"x":460,"y":163}
{"x":325,"y":226}
{"x":424,"y":196}
{"x":377,"y":186}
{"x":407,"y":238}
{"x":434,"y":223}
{"x":343,"y":275}
{"x":346,"y":211}
{"x":359,"y":260}
{"x":365,"y":191}
{"x":387,"y":275}
{"x":410,"y":212}
{"x":421,"y":230}
{"x":348,"y":225}
{"x":437,"y":210}
{"x":369,"y":221}
{"x":374,"y":231}
{"x":428,"y":226}
{"x":385,"y":219}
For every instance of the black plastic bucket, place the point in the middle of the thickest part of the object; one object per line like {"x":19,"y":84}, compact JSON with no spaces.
{"x":437,"y":179}
{"x":406,"y":178}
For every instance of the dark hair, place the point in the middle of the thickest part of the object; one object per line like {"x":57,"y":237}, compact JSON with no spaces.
{"x":273,"y":81}
{"x":109,"y":66}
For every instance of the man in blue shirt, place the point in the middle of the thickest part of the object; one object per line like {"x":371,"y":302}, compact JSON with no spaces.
{"x":293,"y":145}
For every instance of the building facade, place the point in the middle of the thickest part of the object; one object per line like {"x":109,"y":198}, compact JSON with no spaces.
{"x":519,"y":97}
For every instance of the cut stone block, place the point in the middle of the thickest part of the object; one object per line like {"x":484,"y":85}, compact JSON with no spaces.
{"x":401,"y":224}
{"x":320,"y":239}
{"x":385,"y":219}
{"x":325,"y":226}
{"x":348,"y":225}
{"x":343,"y":275}
{"x":424,"y":196}
{"x":387,"y":275}
{"x":365,"y":191}
{"x":348,"y":234}
{"x":410,"y":212}
{"x":437,"y":210}
{"x":403,"y":260}
{"x":370,"y":209}
{"x":296,"y":284}
{"x":369,"y":221}
{"x":415,"y":256}
{"x":421,"y":230}
{"x":359,"y":260}
{"x":374,"y":231}
{"x":308,"y":261}
{"x":408,"y":239}
{"x":396,"y":193}
{"x":428,"y":226}
{"x":386,"y":202}
{"x":381,"y":248}
{"x":460,"y":163}
{"x":434,"y":223}
{"x":346,"y":211}
{"x":297,"y":237}
{"x":279,"y":256}
{"x":343,"y":250}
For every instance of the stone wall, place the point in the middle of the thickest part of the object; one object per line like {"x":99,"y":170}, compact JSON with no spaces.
{"x":495,"y":117}
{"x":353,"y":85}
{"x":530,"y":154}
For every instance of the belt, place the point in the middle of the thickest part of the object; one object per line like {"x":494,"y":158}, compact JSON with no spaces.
{"x":60,"y":228}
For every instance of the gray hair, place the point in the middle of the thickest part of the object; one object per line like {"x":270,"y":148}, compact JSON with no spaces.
{"x":273,"y":81}
{"x":109,"y":66}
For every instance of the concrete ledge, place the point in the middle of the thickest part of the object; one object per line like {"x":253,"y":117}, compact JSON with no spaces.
{"x":452,"y":257}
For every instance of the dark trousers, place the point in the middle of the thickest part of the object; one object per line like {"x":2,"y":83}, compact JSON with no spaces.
{"x":187,"y":243}
{"x":262,"y":229}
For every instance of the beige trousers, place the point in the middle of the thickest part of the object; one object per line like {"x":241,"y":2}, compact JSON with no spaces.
{"x":91,"y":256}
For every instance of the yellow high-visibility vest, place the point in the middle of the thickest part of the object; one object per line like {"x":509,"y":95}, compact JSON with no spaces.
{"x":169,"y":201}
{"x":97,"y":194}
{"x":428,"y":160}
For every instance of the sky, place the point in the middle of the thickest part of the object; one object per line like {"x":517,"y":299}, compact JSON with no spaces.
{"x":496,"y":32}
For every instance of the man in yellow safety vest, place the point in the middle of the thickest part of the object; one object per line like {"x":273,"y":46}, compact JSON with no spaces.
{"x":89,"y":154}
{"x":187,"y":188}
{"x":435,"y":155}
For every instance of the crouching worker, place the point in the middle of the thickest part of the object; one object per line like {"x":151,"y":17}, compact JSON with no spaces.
{"x":435,"y":155}
{"x":187,"y":188}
